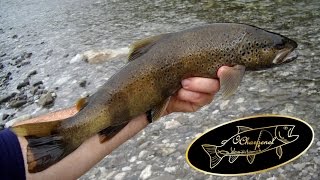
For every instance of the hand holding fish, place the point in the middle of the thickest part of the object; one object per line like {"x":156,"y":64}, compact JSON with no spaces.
{"x":195,"y":93}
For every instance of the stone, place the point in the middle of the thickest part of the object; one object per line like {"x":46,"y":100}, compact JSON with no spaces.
{"x":299,"y":166}
{"x":171,"y":124}
{"x":34,"y":72}
{"x":45,"y":99}
{"x":37,"y":83}
{"x":83,"y":83}
{"x":14,"y":36}
{"x":164,"y":177}
{"x":6,"y":98}
{"x":3,"y":54}
{"x":146,"y":173}
{"x":23,"y":84}
{"x":17,"y":103}
{"x":78,"y":58}
{"x":120,"y":176}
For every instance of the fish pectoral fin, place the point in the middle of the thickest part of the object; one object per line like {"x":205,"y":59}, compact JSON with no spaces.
{"x":243,"y":129}
{"x":232,"y":158}
{"x":158,"y":110}
{"x":110,"y":131}
{"x":230,"y":80}
{"x":81,"y":103}
{"x":251,"y":158}
{"x":142,"y":46}
{"x":279,"y":151}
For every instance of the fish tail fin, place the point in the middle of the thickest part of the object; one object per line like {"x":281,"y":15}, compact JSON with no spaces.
{"x":211,"y":150}
{"x":46,"y":146}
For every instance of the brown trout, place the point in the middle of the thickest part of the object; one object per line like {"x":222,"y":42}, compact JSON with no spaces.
{"x":154,"y":72}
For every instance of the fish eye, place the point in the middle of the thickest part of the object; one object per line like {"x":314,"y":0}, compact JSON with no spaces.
{"x":285,"y":128}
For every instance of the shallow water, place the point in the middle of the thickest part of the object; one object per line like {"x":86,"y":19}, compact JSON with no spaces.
{"x":51,"y":30}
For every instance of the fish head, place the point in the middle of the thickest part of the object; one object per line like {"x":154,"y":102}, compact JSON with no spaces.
{"x":284,"y":133}
{"x":261,"y":49}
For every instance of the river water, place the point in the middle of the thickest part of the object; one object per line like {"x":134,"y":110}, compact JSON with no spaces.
{"x":55,"y":31}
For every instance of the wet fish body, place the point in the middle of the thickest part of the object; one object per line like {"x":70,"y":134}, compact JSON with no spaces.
{"x":154,"y":72}
{"x":250,"y":142}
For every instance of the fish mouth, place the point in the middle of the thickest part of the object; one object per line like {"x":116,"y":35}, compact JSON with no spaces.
{"x":285,"y":56}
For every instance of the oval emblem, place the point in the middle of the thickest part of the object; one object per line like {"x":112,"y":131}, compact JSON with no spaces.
{"x":250,"y":145}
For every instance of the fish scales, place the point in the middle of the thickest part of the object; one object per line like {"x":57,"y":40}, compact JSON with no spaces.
{"x":154,"y":72}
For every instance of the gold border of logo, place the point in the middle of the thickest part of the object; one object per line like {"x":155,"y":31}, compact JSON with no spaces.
{"x":244,"y":118}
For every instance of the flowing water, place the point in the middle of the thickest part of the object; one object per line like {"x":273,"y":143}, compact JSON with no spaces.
{"x":55,"y":31}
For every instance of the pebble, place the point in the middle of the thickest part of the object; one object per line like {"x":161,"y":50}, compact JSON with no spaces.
{"x":34,"y":72}
{"x":17,"y":103}
{"x":6,"y":98}
{"x":299,"y":166}
{"x":126,"y":168}
{"x":146,"y":173}
{"x":83,"y":83}
{"x":78,"y":58}
{"x":120,"y":176}
{"x":170,"y":169}
{"x":23,"y":84}
{"x":45,"y":99}
{"x":164,"y":177}
{"x":171,"y":124}
{"x":37,"y":83}
{"x":318,"y":143}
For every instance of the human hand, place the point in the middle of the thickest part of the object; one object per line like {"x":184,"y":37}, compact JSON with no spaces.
{"x":195,"y":93}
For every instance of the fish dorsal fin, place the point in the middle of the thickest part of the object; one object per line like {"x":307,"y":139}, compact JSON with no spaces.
{"x":142,"y":46}
{"x":81,"y":103}
{"x":243,"y":129}
{"x":230,"y":79}
{"x":251,"y":158}
{"x":158,"y":110}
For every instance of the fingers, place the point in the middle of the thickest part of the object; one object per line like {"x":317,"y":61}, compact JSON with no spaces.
{"x":201,"y":85}
{"x":197,"y":98}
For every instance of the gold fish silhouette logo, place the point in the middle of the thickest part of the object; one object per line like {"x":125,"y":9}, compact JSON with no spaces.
{"x":250,"y":142}
{"x":250,"y":145}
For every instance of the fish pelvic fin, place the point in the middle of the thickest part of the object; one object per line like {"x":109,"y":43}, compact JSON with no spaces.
{"x":279,"y":151}
{"x":142,"y":46}
{"x":232,"y":159}
{"x":159,"y":110}
{"x":42,"y":152}
{"x":110,"y":131}
{"x":211,"y":150}
{"x":230,"y":80}
{"x":251,"y":158}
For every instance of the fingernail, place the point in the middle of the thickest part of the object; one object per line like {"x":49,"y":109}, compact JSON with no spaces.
{"x":185,"y":83}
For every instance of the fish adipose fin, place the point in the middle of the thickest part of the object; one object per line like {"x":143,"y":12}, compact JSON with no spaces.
{"x":141,"y":47}
{"x":110,"y":131}
{"x":81,"y":103}
{"x":211,"y":150}
{"x":230,"y":80}
{"x":45,"y":146}
{"x":251,"y":158}
{"x":233,"y":159}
